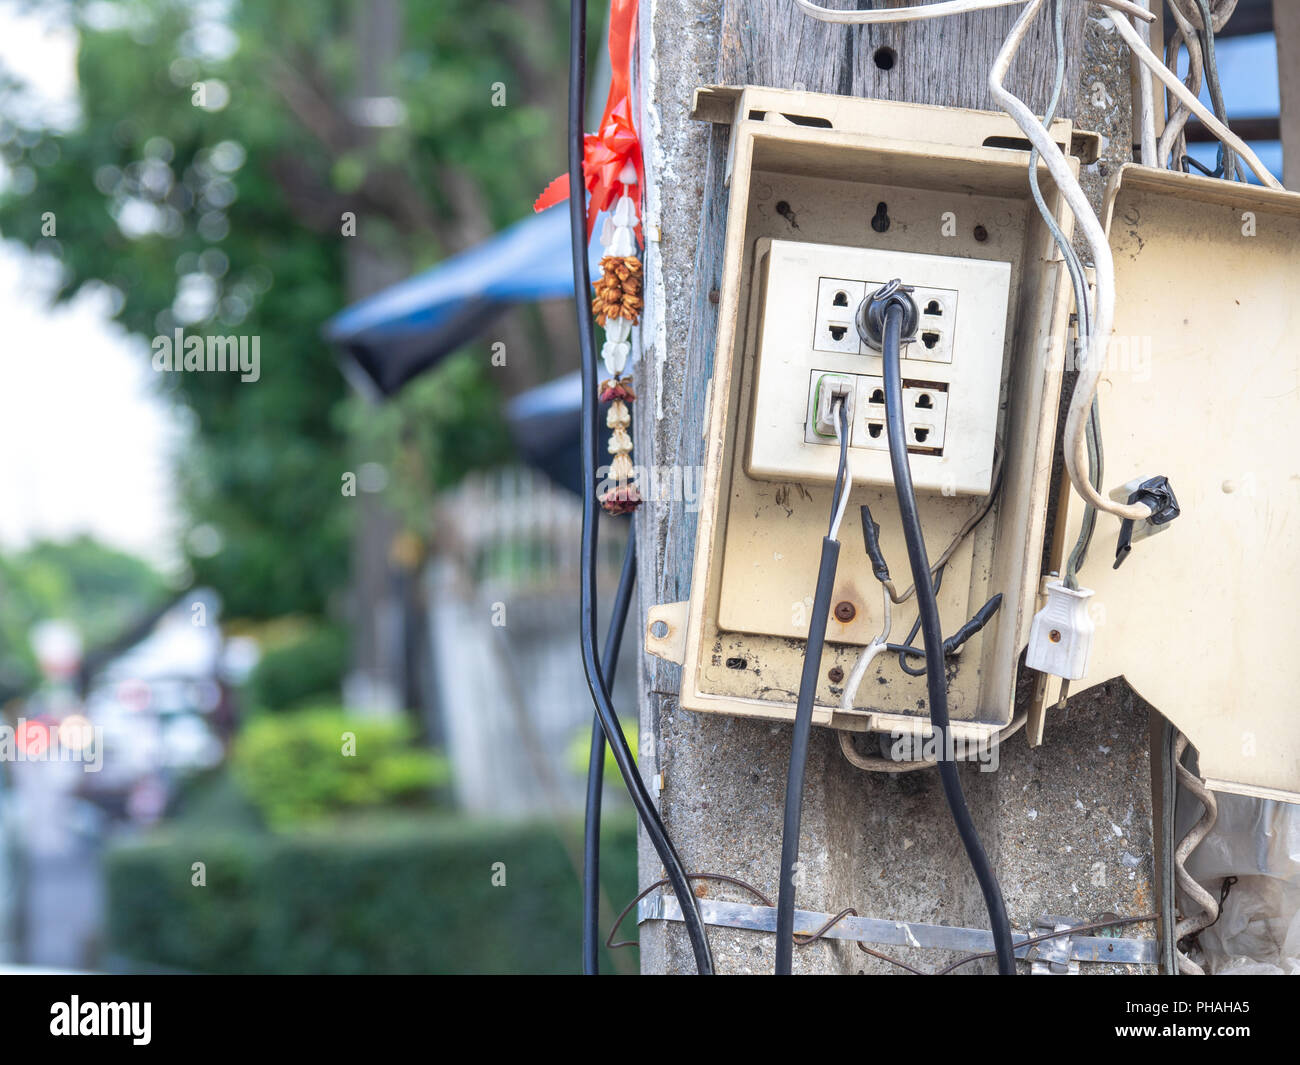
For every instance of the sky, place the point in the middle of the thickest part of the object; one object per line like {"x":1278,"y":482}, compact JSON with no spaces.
{"x":87,"y":444}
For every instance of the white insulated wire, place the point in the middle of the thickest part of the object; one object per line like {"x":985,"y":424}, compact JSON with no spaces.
{"x":1184,"y":94}
{"x":1075,"y":442}
{"x":848,"y":473}
{"x":1147,"y":100}
{"x":1171,"y":140}
{"x":875,"y":647}
{"x":937,"y":10}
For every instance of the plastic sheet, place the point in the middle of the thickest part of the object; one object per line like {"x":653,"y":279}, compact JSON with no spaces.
{"x":1258,"y":930}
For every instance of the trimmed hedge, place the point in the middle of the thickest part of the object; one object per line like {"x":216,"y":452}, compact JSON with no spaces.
{"x":308,"y":665}
{"x":400,"y":896}
{"x":292,"y":768}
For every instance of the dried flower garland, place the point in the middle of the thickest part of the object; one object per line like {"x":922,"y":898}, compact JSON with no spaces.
{"x":612,"y":171}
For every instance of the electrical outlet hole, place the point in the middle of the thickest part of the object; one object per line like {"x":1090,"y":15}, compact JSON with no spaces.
{"x":878,"y":396}
{"x":873,"y":430}
{"x":929,"y":340}
{"x":841,"y":299}
{"x":924,"y":400}
{"x":838,"y":331}
{"x":920,"y":434}
{"x":933,"y":307}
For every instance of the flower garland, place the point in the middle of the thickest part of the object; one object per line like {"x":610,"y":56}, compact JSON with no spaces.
{"x":612,"y":168}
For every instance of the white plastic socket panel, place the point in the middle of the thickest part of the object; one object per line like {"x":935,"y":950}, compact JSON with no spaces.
{"x":810,"y":351}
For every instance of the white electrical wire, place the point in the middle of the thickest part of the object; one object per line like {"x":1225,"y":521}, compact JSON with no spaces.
{"x":1191,"y":15}
{"x":1188,"y":21}
{"x":848,"y":472}
{"x":874,"y":648}
{"x":1207,"y":117}
{"x":1075,"y":442}
{"x":1171,"y":140}
{"x":1147,"y":101}
{"x":937,"y":10}
{"x":888,"y":765}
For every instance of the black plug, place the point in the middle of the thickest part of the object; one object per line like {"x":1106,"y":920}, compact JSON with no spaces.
{"x":1158,"y":494}
{"x":871,"y":313}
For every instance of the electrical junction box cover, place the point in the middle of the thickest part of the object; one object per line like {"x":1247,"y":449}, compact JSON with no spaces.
{"x":1202,"y":384}
{"x":830,"y":196}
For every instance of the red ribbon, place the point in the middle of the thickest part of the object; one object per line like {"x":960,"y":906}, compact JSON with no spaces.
{"x":615,"y":142}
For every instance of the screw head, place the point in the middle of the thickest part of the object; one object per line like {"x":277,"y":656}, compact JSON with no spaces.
{"x":1054,"y":636}
{"x":981,"y":234}
{"x":836,"y":675}
{"x":845,"y":611}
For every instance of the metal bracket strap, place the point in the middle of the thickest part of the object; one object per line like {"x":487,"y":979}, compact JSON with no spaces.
{"x":660,"y":907}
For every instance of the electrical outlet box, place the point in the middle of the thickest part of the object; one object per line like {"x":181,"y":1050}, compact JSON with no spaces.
{"x":951,"y":371}
{"x":807,"y":173}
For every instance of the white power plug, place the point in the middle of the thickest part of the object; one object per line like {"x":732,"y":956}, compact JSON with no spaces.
{"x":828,"y":390}
{"x":1060,"y":638}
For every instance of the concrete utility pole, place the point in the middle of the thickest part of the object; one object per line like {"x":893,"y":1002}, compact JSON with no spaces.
{"x":1068,"y":825}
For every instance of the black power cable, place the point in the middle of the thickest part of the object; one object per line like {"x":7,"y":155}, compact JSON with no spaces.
{"x":645,"y":807}
{"x":596,"y":767}
{"x":812,"y":664}
{"x":896,"y":305}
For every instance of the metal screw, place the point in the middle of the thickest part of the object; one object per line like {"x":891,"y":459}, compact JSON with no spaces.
{"x":1054,"y":636}
{"x":835,"y":675}
{"x":981,"y":234}
{"x":845,"y":611}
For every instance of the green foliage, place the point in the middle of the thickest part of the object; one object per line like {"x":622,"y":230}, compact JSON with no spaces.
{"x":405,"y":895}
{"x":295,"y":768}
{"x":308,"y":665}
{"x":441,"y":426}
{"x":99,"y":589}
{"x":578,"y":754}
{"x":227,"y":221}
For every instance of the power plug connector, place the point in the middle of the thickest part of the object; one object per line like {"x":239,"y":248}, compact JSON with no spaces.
{"x":1060,"y":638}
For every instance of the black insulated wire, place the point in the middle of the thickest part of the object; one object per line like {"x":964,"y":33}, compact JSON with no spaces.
{"x":596,"y":767}
{"x":841,"y":414}
{"x":953,"y":643}
{"x":636,"y":788}
{"x":812,"y":664}
{"x":932,"y":639}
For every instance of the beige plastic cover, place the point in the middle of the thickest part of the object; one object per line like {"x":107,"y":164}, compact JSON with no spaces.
{"x":1202,"y":384}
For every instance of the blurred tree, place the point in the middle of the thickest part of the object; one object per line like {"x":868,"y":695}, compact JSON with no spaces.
{"x":98,"y":589}
{"x":209,"y":180}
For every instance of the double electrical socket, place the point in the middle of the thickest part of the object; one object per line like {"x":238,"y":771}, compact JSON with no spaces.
{"x":837,"y":303}
{"x":925,"y":412}
{"x":809,"y":352}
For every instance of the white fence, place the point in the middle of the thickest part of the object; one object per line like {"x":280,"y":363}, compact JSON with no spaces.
{"x":513,"y":704}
